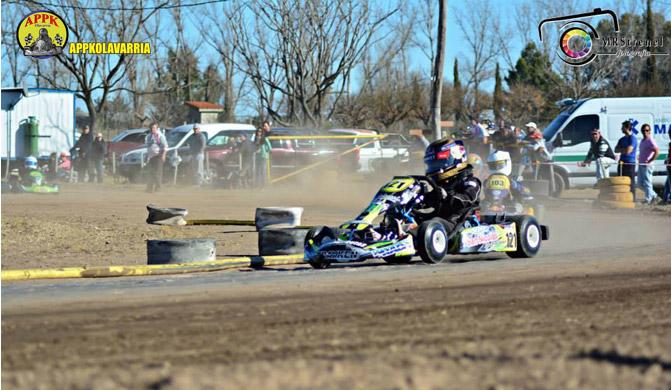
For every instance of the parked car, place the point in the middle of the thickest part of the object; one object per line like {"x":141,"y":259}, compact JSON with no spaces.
{"x":289,"y":154}
{"x":132,"y":162}
{"x":372,"y":155}
{"x":125,"y":141}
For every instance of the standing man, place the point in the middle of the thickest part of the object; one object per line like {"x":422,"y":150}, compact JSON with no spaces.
{"x":601,"y":153}
{"x":627,"y":146}
{"x":98,"y":152}
{"x":157,"y":149}
{"x":263,"y":148}
{"x":83,"y":149}
{"x":648,"y":153}
{"x":197,"y":144}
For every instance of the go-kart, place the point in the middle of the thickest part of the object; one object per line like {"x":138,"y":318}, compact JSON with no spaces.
{"x":33,"y":184}
{"x":400,"y":222}
{"x":499,"y":199}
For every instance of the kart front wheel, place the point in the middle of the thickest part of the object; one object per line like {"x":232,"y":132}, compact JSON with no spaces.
{"x":432,"y":241}
{"x":316,"y":235}
{"x":529,"y":236}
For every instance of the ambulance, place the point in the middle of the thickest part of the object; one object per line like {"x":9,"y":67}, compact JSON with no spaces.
{"x":568,"y":135}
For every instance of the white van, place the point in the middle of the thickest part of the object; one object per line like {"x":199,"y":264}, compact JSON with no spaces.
{"x":178,"y":138}
{"x":568,"y":135}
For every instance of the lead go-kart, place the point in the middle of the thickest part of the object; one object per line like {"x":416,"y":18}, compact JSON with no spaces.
{"x":400,"y":222}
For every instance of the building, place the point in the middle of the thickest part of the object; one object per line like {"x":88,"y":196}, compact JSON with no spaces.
{"x":203,"y":112}
{"x":54,"y":111}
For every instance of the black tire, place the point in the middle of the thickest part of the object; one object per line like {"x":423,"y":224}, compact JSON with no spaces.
{"x":398,"y":260}
{"x":289,"y":241}
{"x":529,"y":237}
{"x":432,"y":241}
{"x":317,"y":234}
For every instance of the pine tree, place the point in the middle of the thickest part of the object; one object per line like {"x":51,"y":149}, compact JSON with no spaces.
{"x":498,"y":95}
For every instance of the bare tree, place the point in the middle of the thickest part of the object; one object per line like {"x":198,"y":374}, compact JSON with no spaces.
{"x":96,"y":76}
{"x":19,"y":65}
{"x":482,"y":45}
{"x":297,"y":53}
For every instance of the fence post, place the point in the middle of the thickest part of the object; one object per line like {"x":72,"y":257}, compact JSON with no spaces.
{"x":114,"y":163}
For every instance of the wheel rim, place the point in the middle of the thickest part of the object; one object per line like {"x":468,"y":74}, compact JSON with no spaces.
{"x":533,"y":236}
{"x":438,"y":241}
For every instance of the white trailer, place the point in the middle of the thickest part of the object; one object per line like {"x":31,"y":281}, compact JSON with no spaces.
{"x":55,"y":111}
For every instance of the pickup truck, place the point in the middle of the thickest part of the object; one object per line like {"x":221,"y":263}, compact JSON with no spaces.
{"x":285,"y":154}
{"x":373,"y":157}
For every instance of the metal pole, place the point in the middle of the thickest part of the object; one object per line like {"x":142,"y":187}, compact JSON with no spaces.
{"x":114,"y":163}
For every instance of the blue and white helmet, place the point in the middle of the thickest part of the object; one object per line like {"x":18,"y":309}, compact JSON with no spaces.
{"x":30,"y":163}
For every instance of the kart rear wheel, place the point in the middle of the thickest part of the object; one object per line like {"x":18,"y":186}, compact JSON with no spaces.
{"x":432,"y":241}
{"x":398,"y":259}
{"x":317,"y":234}
{"x":529,"y":237}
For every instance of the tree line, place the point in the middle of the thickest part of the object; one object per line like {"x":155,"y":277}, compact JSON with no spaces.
{"x":325,"y":63}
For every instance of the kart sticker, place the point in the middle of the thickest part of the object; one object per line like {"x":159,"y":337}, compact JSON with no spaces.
{"x":488,"y":238}
{"x":402,"y":246}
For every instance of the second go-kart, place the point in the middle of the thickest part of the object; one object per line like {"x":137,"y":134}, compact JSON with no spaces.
{"x":400,"y":222}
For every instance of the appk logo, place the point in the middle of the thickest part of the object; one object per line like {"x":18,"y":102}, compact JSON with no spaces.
{"x":42,"y":34}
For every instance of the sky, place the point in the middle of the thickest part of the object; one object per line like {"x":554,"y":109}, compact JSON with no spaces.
{"x":456,"y":47}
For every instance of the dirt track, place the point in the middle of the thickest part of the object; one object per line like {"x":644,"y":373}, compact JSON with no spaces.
{"x":592,"y":311}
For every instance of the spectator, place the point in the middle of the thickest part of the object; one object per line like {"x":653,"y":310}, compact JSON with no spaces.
{"x":262,"y":155}
{"x":246,"y":152}
{"x":479,"y":138}
{"x":627,"y":146}
{"x":535,"y":150}
{"x":667,"y":186}
{"x":647,"y":154}
{"x":64,"y":162}
{"x":157,"y":149}
{"x":98,"y":152}
{"x":601,"y":153}
{"x":266,"y":128}
{"x":197,"y":144}
{"x":83,"y":148}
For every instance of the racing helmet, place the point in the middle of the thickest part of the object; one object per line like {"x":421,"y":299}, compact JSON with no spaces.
{"x":30,"y":163}
{"x":445,"y":158}
{"x":476,"y":162}
{"x":499,"y":162}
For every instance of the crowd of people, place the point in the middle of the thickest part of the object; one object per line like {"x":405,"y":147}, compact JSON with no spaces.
{"x":249,"y":156}
{"x":527,"y":148}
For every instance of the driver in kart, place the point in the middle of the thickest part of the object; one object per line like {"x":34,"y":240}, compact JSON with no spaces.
{"x":458,"y":189}
{"x":499,"y":181}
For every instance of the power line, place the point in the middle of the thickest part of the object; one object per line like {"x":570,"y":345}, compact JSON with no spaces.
{"x":44,"y":4}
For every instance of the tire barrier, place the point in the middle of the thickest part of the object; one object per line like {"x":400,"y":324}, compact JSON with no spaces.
{"x":147,"y":270}
{"x":166,"y":216}
{"x":277,"y":217}
{"x":615,"y":193}
{"x":614,"y":181}
{"x":181,"y":251}
{"x":281,"y":241}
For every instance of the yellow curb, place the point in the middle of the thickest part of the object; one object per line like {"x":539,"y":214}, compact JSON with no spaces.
{"x":143,"y":270}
